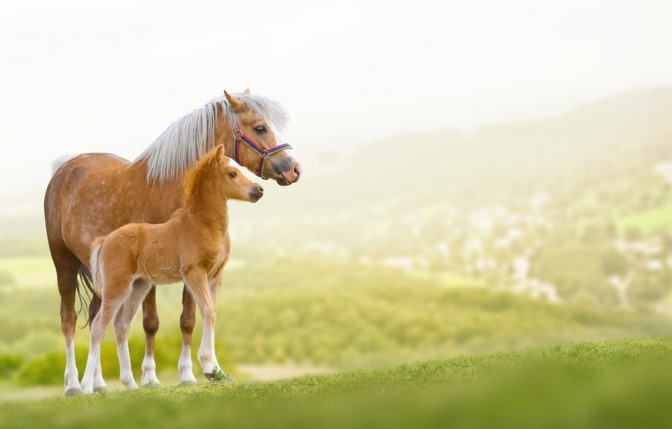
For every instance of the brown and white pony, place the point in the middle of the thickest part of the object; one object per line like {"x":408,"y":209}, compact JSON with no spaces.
{"x":193,"y":246}
{"x":93,"y":194}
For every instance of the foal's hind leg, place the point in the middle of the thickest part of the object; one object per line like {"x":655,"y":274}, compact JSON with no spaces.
{"x":99,"y":385}
{"x":187,"y":322}
{"x":150,"y":323}
{"x":114,"y":296}
{"x":122,"y":325}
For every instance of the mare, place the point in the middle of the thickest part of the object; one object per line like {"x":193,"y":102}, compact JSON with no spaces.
{"x":93,"y":194}
{"x":193,"y":246}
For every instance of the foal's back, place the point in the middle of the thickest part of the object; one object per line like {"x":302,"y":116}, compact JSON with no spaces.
{"x":157,"y":253}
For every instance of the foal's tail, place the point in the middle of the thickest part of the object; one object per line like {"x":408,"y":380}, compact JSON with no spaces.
{"x":97,"y":266}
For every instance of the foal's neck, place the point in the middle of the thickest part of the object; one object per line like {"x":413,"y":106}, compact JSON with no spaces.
{"x":209,"y":206}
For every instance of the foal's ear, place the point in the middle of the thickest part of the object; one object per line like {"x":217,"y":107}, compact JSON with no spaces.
{"x":237,"y":105}
{"x":218,"y":153}
{"x":247,"y":91}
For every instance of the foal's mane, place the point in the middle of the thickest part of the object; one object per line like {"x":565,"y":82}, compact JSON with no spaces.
{"x":188,"y":138}
{"x":193,"y":176}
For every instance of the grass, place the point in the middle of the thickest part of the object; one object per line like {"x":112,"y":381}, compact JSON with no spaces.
{"x":625,"y":383}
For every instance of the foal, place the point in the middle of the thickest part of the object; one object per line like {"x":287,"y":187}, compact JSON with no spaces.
{"x":193,"y":247}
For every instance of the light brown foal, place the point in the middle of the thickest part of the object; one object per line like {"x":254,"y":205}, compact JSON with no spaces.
{"x":193,"y":246}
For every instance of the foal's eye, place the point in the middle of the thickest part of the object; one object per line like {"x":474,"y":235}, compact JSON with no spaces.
{"x":232,"y":174}
{"x":260,"y":129}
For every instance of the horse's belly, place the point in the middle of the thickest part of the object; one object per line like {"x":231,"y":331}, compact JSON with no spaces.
{"x":165,"y":278}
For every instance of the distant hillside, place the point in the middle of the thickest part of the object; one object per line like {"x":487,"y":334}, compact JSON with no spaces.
{"x":496,"y":163}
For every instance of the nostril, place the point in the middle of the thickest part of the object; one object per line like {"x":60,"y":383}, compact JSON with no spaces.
{"x":261,"y":189}
{"x":297,"y":169}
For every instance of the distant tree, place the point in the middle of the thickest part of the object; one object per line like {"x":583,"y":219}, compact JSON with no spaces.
{"x":649,"y":287}
{"x":614,"y":262}
{"x":632,"y":233}
{"x":577,"y":271}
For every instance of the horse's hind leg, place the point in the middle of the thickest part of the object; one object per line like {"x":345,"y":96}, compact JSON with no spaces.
{"x":67,"y":267}
{"x":122,"y":325}
{"x":187,"y":322}
{"x":150,"y":323}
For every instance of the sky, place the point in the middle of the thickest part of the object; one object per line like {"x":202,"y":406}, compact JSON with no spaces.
{"x":93,"y":76}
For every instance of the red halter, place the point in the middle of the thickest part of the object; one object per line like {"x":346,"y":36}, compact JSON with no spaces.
{"x":238,"y":137}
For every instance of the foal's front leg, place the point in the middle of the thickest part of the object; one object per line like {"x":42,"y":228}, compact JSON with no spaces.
{"x":197,"y":280}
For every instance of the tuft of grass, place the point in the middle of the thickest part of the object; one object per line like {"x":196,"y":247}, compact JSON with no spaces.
{"x":624,"y":383}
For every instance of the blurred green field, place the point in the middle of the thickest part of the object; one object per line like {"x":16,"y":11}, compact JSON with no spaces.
{"x":613,"y":384}
{"x":335,"y":314}
{"x":27,"y":272}
{"x":659,"y":219}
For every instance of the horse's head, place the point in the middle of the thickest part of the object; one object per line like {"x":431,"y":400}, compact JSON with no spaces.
{"x":258,"y":144}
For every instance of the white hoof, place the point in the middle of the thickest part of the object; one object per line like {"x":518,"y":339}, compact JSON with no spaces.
{"x":74,"y":391}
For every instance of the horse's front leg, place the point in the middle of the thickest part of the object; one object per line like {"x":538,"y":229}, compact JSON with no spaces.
{"x":187,"y":322}
{"x":150,"y":323}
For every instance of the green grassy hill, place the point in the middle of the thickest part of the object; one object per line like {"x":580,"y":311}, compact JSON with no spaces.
{"x":612,"y":384}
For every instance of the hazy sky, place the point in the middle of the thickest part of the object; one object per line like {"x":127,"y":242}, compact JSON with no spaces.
{"x":90,"y":76}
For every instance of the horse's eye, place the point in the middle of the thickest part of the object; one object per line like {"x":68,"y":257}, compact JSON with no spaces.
{"x":260,"y":129}
{"x":232,"y":174}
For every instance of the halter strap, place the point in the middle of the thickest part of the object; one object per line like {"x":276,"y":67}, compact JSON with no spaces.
{"x":238,"y":137}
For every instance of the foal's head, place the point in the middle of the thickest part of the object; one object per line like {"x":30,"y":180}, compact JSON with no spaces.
{"x":218,"y":176}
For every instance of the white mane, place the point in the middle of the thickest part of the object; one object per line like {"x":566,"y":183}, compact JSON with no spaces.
{"x":189,"y":138}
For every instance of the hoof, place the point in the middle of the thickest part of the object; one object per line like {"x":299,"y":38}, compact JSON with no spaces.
{"x":101,"y":389}
{"x":188,"y":383}
{"x":151,"y":385}
{"x":74,"y":391}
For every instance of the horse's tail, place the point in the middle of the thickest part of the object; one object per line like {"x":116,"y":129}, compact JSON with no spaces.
{"x":85,"y":282}
{"x":91,"y":281}
{"x":58,"y":162}
{"x":97,"y":266}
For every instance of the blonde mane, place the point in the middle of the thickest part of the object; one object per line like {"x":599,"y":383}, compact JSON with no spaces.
{"x":188,"y":138}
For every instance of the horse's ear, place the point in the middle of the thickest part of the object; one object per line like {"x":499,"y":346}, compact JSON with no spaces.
{"x":247,"y":91}
{"x":234,"y":102}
